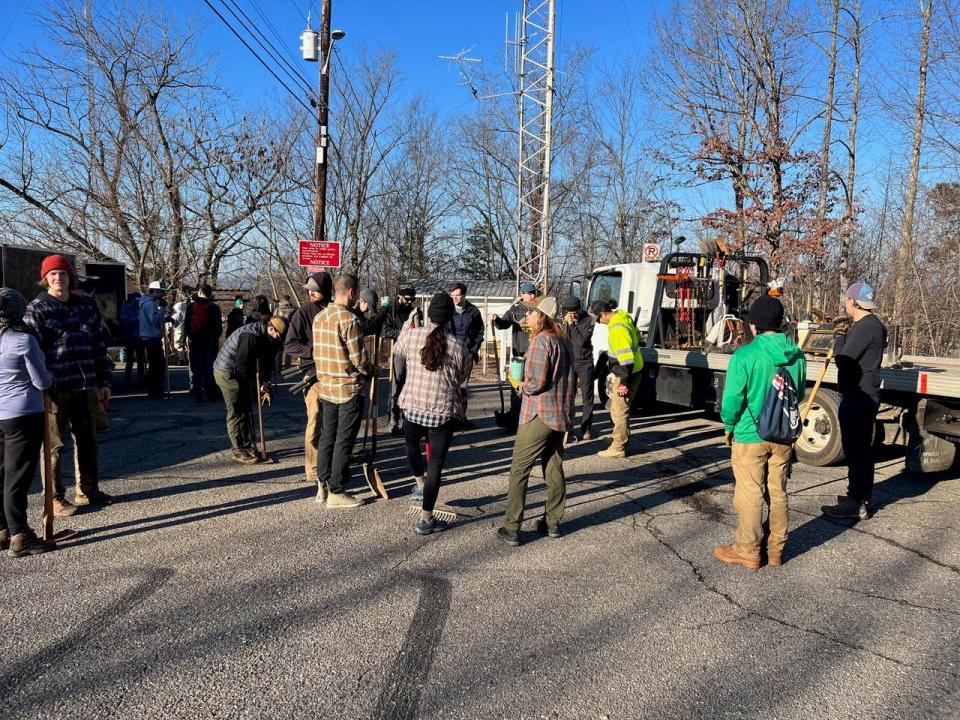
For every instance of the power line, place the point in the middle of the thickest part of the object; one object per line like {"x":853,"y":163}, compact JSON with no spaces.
{"x":257,"y":56}
{"x":276,"y":34}
{"x":254,"y":32}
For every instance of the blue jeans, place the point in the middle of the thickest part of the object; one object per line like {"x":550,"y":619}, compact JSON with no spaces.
{"x":201,"y":370}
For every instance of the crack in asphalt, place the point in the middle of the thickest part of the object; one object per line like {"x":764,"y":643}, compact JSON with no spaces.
{"x":898,"y":601}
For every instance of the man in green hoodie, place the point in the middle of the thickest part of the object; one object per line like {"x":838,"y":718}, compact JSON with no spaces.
{"x":760,"y":468}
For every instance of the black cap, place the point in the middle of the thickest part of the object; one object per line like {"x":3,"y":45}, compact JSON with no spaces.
{"x":440,"y":309}
{"x":766,"y":314}
{"x":601,"y":306}
{"x":320,"y":282}
{"x":407,"y":291}
{"x":570,"y":302}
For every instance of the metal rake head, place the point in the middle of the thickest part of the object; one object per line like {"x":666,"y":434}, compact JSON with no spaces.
{"x":445,"y":515}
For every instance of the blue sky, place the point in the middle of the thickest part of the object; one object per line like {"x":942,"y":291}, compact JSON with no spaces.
{"x":417,"y":30}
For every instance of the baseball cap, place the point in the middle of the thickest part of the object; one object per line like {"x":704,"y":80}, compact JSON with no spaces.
{"x":320,"y":282}
{"x":862,"y":294}
{"x":547,"y":305}
{"x":528,"y":287}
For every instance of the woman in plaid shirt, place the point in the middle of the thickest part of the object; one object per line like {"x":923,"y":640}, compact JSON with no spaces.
{"x":436,"y":364}
{"x":546,"y":415}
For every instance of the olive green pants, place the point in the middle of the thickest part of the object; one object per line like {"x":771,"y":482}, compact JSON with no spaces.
{"x":238,"y":398}
{"x":536,"y":441}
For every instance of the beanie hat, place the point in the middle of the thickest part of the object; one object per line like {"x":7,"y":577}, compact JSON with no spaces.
{"x":279,"y":324}
{"x":440,"y":309}
{"x":369,"y":297}
{"x":55,"y":262}
{"x":570,"y":302}
{"x":12,"y":306}
{"x":766,"y":314}
{"x":407,"y":291}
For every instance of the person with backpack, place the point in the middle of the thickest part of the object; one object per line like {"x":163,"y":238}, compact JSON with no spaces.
{"x":760,"y":409}
{"x":203,"y":324}
{"x":152,"y":317}
{"x":130,"y":337}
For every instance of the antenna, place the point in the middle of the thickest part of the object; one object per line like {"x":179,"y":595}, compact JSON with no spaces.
{"x":461,"y":60}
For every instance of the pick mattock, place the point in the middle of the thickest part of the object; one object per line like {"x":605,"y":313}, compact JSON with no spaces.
{"x":47,"y":478}
{"x":816,"y":386}
{"x":263,"y":438}
{"x":370,"y":472}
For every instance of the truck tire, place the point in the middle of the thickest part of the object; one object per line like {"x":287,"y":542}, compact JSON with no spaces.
{"x":819,"y":441}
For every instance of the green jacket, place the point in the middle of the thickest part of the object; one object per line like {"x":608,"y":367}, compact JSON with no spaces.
{"x":749,"y":375}
{"x":623,"y":346}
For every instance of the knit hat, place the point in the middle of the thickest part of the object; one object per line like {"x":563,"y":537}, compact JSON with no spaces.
{"x":279,"y":324}
{"x":56,"y":262}
{"x":528,"y":287}
{"x":320,"y":282}
{"x":12,"y":306}
{"x":766,"y":313}
{"x":407,"y":291}
{"x":570,"y":302}
{"x":862,"y":294}
{"x":369,"y":297}
{"x":440,"y":309}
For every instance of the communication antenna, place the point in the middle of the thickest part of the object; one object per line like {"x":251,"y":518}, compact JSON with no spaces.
{"x":463,"y":67}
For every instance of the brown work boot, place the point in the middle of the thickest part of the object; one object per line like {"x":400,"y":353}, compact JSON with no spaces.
{"x":774,"y":560}
{"x":340,"y":500}
{"x":63,"y":507}
{"x":729,"y":554}
{"x":4,"y":539}
{"x":612,"y":452}
{"x":26,"y":543}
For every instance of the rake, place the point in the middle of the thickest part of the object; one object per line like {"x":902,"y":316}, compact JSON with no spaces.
{"x":370,"y":472}
{"x":445,"y":515}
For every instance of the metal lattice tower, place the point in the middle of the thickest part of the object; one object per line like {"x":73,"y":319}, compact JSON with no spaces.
{"x":535,"y":109}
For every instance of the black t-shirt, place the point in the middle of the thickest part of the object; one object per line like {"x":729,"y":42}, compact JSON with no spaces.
{"x":859,"y":355}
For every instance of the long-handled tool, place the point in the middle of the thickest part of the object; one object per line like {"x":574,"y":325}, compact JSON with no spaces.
{"x":816,"y":386}
{"x":167,"y":351}
{"x":263,"y":438}
{"x":47,"y":477}
{"x":502,"y":418}
{"x":370,"y":472}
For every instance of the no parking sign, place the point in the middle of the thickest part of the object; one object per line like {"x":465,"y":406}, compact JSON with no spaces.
{"x":651,"y":252}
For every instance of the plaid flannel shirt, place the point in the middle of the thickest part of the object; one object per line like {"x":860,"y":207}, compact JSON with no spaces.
{"x":436,"y":393}
{"x":72,"y":339}
{"x":548,"y":385}
{"x":339,"y":353}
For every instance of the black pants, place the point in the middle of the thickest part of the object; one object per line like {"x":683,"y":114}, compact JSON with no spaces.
{"x":201,"y":370}
{"x":857,"y":415}
{"x":341,"y":423}
{"x":135,"y":352}
{"x":585,"y":376}
{"x":439,"y":439}
{"x":157,"y":366}
{"x":20,"y":441}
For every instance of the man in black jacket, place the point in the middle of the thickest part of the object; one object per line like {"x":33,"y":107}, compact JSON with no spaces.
{"x":299,"y":346}
{"x":249,"y":349}
{"x":467,"y":320}
{"x":401,"y":314}
{"x":515,"y":319}
{"x":579,"y":326}
{"x":859,"y":351}
{"x":203,"y":325}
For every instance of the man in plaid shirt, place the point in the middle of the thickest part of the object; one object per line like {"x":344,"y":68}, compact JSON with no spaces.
{"x":341,"y":359}
{"x":70,"y":332}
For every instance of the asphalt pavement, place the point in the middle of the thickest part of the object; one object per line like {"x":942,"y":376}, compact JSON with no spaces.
{"x":215,"y":590}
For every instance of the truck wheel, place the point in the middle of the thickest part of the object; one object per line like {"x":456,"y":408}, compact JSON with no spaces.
{"x":819,"y":441}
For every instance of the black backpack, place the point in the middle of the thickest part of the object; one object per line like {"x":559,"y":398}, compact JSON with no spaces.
{"x":780,"y":414}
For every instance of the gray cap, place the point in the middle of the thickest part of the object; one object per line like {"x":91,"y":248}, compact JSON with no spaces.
{"x":369,"y":296}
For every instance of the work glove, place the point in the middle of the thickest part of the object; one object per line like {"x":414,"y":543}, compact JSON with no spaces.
{"x":728,"y":438}
{"x":841,"y":325}
{"x":515,"y":384}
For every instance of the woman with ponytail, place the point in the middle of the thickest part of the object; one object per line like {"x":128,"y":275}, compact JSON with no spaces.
{"x":436,"y":364}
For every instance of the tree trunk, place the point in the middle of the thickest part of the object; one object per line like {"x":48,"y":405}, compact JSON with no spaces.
{"x":848,"y":215}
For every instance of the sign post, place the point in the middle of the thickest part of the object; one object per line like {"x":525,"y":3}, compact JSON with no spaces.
{"x":319,"y":254}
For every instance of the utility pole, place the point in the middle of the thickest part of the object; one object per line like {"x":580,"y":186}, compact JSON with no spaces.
{"x":309,"y":48}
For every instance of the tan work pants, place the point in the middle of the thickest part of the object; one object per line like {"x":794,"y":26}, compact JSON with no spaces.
{"x":760,"y":471}
{"x":311,"y":436}
{"x":620,"y":409}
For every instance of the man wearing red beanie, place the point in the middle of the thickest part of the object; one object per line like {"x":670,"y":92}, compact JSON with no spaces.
{"x":71,"y":337}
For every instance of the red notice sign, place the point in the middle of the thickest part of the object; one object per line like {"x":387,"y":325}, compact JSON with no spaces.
{"x":323,"y":253}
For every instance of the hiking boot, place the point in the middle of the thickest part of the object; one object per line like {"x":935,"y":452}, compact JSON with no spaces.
{"x":4,"y":539}
{"x":341,"y":501}
{"x":80,"y":499}
{"x":243,"y":458}
{"x":395,"y":429}
{"x":612,"y":452}
{"x":729,"y":554}
{"x":63,"y":507}
{"x":774,"y":560}
{"x":322,"y":492}
{"x":545,"y":528}
{"x":95,"y":497}
{"x":510,"y":537}
{"x":417,"y":494}
{"x":27,"y":543}
{"x":251,"y":452}
{"x":846,"y":507}
{"x":427,"y":527}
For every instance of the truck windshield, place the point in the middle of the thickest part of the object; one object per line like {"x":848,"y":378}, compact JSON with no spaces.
{"x":605,"y":286}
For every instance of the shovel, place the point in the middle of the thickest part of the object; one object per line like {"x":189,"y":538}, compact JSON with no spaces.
{"x":816,"y":387}
{"x":503,"y":418}
{"x":370,"y":472}
{"x":263,"y":438}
